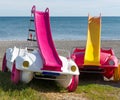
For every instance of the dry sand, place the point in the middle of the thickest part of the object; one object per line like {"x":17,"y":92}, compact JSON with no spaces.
{"x":63,"y":44}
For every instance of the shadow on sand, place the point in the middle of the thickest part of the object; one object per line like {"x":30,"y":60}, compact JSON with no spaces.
{"x":88,"y":78}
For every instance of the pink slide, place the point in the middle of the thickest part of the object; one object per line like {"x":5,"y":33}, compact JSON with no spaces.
{"x":45,"y":43}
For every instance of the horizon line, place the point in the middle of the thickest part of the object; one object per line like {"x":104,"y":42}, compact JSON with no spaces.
{"x":63,"y":16}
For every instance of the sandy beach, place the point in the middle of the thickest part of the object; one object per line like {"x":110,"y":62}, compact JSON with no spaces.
{"x":66,"y":45}
{"x":62,"y":44}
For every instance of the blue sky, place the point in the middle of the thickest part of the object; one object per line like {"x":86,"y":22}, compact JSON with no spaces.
{"x":61,"y":7}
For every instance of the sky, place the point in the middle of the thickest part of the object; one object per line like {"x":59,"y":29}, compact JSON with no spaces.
{"x":61,"y":7}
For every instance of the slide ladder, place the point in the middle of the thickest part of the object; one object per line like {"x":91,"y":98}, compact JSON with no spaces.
{"x":92,"y":52}
{"x":45,"y":42}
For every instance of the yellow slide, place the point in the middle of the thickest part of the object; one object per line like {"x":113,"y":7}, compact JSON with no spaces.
{"x":92,"y":53}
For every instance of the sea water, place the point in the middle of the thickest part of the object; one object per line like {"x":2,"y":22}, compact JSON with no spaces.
{"x":62,"y":28}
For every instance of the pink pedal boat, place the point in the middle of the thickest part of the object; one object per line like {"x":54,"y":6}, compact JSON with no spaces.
{"x":43,"y":62}
{"x":93,"y":58}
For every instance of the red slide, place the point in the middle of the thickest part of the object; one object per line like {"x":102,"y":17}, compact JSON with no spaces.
{"x":45,"y":42}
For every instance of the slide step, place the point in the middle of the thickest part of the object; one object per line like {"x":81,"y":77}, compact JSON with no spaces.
{"x":31,"y":39}
{"x":31,"y":30}
{"x":32,"y":20}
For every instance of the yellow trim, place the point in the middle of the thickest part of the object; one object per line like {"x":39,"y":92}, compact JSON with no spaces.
{"x":116,"y":76}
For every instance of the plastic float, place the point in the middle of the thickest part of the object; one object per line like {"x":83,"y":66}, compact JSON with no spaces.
{"x":93,"y":58}
{"x":43,"y":62}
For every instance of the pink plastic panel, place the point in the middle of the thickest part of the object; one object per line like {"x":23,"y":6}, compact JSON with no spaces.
{"x":45,"y":41}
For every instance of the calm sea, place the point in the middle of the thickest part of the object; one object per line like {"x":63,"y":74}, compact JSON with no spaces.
{"x":63,"y":28}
